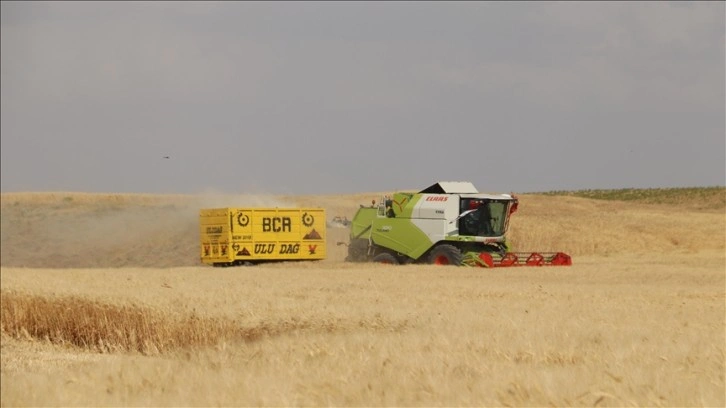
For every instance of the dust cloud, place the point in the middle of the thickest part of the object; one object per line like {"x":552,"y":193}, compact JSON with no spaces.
{"x":110,"y":230}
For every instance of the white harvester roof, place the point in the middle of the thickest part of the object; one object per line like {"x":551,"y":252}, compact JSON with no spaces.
{"x":450,"y":187}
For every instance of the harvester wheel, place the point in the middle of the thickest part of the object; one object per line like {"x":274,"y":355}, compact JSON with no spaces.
{"x":446,"y":255}
{"x":385,"y":258}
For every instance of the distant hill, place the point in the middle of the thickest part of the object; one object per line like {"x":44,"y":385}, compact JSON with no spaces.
{"x":713,"y":198}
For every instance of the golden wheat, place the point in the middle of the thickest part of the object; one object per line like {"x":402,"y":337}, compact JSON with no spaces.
{"x":92,"y":231}
{"x":624,"y":331}
{"x":638,"y":320}
{"x":106,"y":328}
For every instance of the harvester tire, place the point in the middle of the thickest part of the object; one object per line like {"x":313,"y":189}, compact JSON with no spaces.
{"x":385,"y":258}
{"x":446,"y":255}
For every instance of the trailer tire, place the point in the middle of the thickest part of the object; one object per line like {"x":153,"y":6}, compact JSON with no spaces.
{"x":386,"y":258}
{"x":446,"y":255}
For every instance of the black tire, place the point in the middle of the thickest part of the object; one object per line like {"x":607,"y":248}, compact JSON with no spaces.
{"x":385,"y":258}
{"x":445,"y":255}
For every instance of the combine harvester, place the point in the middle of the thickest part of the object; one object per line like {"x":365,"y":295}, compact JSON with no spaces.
{"x":448,"y":223}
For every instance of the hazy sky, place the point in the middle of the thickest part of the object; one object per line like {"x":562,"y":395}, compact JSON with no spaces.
{"x":340,"y":97}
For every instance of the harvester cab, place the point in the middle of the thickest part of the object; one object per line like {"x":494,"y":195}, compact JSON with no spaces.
{"x":446,"y":223}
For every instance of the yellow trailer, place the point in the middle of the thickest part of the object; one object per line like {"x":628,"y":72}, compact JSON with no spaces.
{"x":237,"y":236}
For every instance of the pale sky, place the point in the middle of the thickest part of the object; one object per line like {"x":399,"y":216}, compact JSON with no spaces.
{"x":343,"y":97}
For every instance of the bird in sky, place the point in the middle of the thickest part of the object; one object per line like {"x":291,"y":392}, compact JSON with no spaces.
{"x":166,"y":157}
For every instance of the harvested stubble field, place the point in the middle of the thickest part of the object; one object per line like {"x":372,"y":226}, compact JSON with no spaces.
{"x":103,"y":303}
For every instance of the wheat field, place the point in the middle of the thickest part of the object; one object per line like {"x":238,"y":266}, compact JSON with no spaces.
{"x":104,"y":303}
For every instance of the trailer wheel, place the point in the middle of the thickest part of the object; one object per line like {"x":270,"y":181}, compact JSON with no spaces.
{"x":446,"y":255}
{"x":385,"y":258}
